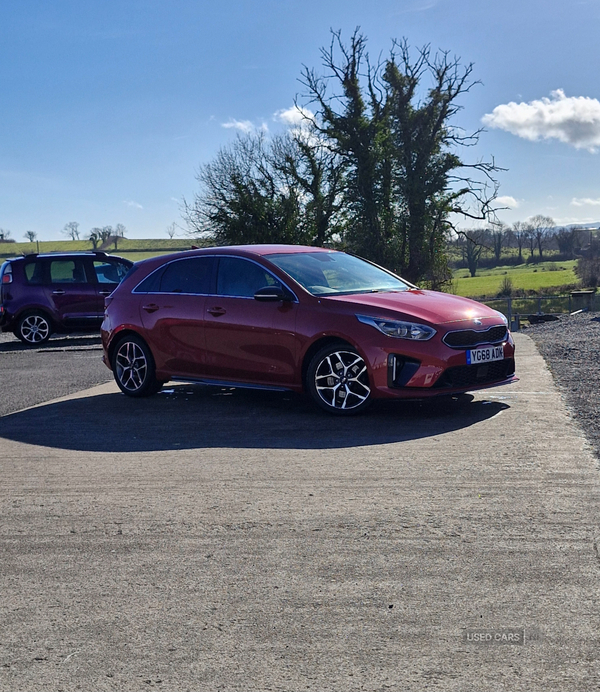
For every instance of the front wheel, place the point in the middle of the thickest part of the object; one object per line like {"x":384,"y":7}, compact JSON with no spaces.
{"x":34,"y":328}
{"x":133,"y":367}
{"x":338,"y":380}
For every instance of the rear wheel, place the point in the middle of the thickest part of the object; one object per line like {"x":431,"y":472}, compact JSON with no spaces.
{"x":338,"y":380}
{"x":133,"y":367}
{"x":34,"y":328}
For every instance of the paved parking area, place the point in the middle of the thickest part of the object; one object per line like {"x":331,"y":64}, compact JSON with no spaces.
{"x":231,"y":540}
{"x":33,"y":375}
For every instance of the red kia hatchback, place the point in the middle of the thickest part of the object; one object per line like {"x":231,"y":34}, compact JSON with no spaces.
{"x":298,"y":318}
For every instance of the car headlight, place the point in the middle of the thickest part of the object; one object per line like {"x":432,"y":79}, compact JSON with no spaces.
{"x":503,"y":318}
{"x":398,"y":329}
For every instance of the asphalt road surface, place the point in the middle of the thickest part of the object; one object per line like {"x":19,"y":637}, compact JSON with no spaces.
{"x":64,"y":365}
{"x":233,"y":540}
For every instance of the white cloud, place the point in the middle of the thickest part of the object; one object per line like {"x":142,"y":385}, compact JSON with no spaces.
{"x":508,"y":201}
{"x":585,"y":201}
{"x":131,"y":203}
{"x":574,"y":120}
{"x":294,"y":117}
{"x":418,"y":6}
{"x":245,"y":126}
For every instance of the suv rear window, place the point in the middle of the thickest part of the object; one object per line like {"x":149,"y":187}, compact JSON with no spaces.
{"x":34,"y":272}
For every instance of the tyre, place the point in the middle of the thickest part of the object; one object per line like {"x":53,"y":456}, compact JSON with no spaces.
{"x":34,"y":328}
{"x":338,"y":380}
{"x":133,"y":367}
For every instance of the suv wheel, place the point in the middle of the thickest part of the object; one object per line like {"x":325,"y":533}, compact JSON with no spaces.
{"x":133,"y":367}
{"x":33,"y":328}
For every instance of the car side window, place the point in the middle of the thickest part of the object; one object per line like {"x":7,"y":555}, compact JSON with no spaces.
{"x":110,"y":272}
{"x":34,"y":273}
{"x":190,"y":275}
{"x":242,"y":278}
{"x":67,"y":272}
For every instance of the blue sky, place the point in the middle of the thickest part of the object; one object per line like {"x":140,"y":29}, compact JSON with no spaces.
{"x":109,"y":107}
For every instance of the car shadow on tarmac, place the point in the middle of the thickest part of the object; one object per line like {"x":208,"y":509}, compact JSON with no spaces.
{"x":58,"y":342}
{"x":187,"y":416}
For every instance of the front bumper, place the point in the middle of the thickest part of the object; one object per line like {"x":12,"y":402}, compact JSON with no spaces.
{"x":413,"y":371}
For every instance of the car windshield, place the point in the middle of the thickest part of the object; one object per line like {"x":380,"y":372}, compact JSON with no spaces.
{"x":334,"y":273}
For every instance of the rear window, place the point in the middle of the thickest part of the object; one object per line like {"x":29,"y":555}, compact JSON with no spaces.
{"x":187,"y":276}
{"x":34,"y":272}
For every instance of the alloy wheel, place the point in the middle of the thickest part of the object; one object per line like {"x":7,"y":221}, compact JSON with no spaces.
{"x":34,"y":329}
{"x":341,"y":381}
{"x":131,"y":366}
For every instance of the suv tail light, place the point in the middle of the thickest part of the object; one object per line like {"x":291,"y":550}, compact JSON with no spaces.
{"x":7,"y":277}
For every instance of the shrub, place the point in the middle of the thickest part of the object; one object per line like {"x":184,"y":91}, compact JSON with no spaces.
{"x":506,"y":288}
{"x":588,"y":270}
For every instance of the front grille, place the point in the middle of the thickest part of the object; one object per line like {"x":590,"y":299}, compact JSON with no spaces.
{"x":465,"y":376}
{"x":467,"y":338}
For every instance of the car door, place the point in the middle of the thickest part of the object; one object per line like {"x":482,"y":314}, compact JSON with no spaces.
{"x":72,"y":293}
{"x":173,"y":315}
{"x":248,"y":340}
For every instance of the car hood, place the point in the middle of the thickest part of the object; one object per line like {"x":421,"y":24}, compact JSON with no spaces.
{"x":429,"y":306}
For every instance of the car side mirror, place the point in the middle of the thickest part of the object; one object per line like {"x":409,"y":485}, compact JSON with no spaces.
{"x":271,"y":294}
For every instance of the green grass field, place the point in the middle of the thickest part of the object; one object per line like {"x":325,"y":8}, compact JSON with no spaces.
{"x":129,"y":248}
{"x":528,"y":277}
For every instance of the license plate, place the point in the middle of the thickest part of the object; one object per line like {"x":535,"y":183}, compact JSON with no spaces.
{"x":485,"y":355}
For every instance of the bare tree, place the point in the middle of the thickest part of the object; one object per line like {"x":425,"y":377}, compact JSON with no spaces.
{"x":540,"y":227}
{"x":172,"y":230}
{"x":498,"y":236}
{"x":119,"y":232}
{"x":106,"y":233}
{"x":71,"y":229}
{"x":4,"y":235}
{"x":520,"y":233}
{"x":95,"y":235}
{"x":472,"y":244}
{"x":566,"y":239}
{"x":31,"y":236}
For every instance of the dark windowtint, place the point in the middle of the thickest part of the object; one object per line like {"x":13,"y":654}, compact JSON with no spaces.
{"x":34,"y":273}
{"x":187,"y":276}
{"x":242,"y":278}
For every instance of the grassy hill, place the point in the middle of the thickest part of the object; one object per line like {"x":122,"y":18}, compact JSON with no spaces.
{"x":528,"y":277}
{"x":130,"y":248}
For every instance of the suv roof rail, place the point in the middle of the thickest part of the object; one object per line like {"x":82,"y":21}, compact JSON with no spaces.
{"x":102,"y":253}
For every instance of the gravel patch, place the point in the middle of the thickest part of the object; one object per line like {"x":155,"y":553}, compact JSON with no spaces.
{"x":571,"y":348}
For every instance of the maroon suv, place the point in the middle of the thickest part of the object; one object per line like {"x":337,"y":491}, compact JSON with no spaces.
{"x":300,"y":318}
{"x":56,"y":292}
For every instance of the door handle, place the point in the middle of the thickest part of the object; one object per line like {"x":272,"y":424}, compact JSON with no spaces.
{"x":152,"y":307}
{"x":104,"y":293}
{"x":217,"y":311}
{"x":58,"y":292}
